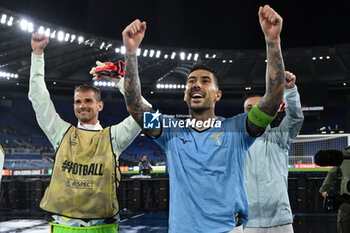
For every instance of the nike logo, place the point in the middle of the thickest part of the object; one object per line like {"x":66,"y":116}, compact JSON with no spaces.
{"x":184,"y":140}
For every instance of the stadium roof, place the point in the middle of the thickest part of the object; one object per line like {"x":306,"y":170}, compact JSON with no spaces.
{"x":315,"y":42}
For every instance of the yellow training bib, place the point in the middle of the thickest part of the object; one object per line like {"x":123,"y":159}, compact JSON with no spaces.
{"x":85,"y":176}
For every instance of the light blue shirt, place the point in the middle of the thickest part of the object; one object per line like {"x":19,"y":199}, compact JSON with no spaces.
{"x":266,"y":168}
{"x":206,"y":175}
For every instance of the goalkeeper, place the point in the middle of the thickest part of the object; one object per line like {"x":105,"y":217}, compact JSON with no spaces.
{"x":82,"y":195}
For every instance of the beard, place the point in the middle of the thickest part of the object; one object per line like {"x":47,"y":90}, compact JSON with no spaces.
{"x":199,"y":108}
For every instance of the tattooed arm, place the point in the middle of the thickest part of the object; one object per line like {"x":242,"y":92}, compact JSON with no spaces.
{"x":271,"y":24}
{"x":132,"y":37}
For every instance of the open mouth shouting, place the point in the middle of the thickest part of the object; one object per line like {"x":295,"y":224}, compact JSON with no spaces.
{"x":197,"y":96}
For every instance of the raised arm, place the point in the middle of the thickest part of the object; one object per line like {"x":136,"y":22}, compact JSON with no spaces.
{"x":292,"y":122}
{"x":132,"y":37}
{"x":49,"y":121}
{"x":267,"y":106}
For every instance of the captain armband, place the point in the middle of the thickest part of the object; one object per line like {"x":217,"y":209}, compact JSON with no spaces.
{"x":259,"y":118}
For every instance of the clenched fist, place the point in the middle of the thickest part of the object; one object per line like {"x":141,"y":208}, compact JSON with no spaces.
{"x":133,"y":35}
{"x":290,"y":80}
{"x":39,"y":42}
{"x":270,"y":22}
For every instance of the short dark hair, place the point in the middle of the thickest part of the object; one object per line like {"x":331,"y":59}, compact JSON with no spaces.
{"x":87,"y":87}
{"x":211,"y":70}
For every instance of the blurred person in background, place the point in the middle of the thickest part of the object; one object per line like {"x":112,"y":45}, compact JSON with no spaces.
{"x":328,"y":190}
{"x":144,"y":166}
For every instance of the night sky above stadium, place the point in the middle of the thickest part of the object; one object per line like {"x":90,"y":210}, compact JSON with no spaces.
{"x":196,"y":24}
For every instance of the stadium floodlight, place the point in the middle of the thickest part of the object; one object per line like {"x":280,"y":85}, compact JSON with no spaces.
{"x":66,"y":37}
{"x":53,"y":34}
{"x":189,"y":56}
{"x":102,"y":45}
{"x":122,"y":49}
{"x":72,"y":38}
{"x":10,"y":22}
{"x":60,"y":35}
{"x":170,"y":86}
{"x":23,"y":24}
{"x":110,"y":84}
{"x":182,"y":56}
{"x":30,"y":27}
{"x":145,"y":52}
{"x":138,"y":52}
{"x":7,"y":75}
{"x":47,"y":32}
{"x":108,"y":46}
{"x":80,"y":39}
{"x":104,"y":83}
{"x":41,"y":30}
{"x":3,"y":18}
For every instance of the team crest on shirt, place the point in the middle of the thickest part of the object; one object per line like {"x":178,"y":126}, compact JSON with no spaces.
{"x":217,"y":138}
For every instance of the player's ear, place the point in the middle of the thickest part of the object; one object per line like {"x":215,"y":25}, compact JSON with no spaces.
{"x":185,"y":96}
{"x":100,"y":105}
{"x":218,"y":95}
